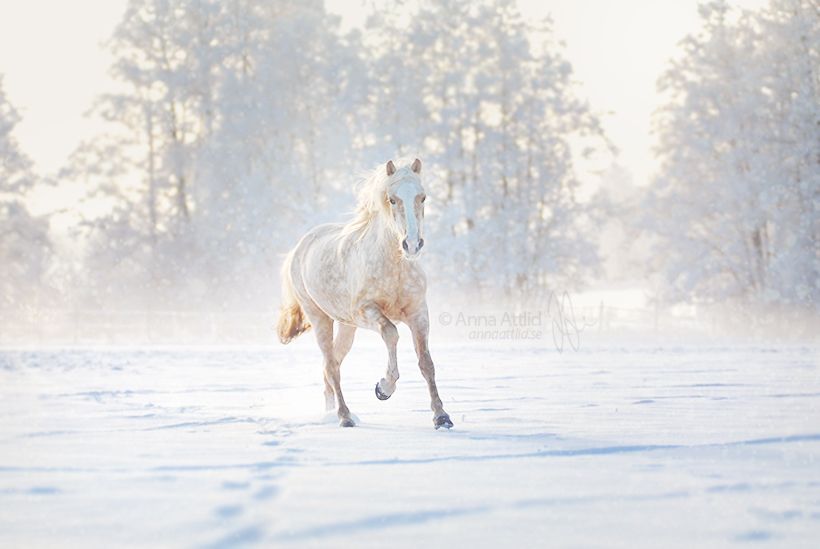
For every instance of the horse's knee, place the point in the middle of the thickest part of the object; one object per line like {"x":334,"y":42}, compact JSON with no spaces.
{"x":331,"y":367}
{"x":390,"y":334}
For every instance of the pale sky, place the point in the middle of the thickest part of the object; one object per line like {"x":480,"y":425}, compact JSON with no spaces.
{"x":54,"y":64}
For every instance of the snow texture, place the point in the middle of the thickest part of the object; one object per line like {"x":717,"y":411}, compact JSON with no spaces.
{"x":227,"y":447}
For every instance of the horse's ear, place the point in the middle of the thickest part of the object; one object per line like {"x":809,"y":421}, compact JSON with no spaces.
{"x":416,"y":167}
{"x":391,"y":168}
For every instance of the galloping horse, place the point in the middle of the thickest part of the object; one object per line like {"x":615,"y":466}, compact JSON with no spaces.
{"x":364,"y":274}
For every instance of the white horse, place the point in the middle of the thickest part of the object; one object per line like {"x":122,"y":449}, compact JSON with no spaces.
{"x":364,"y":274}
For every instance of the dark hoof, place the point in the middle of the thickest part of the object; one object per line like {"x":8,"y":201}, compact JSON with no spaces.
{"x":379,"y":394}
{"x":347,"y":422}
{"x":443,"y":421}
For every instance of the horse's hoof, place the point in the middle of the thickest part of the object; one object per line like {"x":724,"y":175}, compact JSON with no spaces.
{"x":379,"y":394}
{"x":346,"y":422}
{"x":442,"y":421}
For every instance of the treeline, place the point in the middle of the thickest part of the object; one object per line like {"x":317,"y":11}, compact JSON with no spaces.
{"x":241,"y":123}
{"x":236,"y":125}
{"x":735,"y":210}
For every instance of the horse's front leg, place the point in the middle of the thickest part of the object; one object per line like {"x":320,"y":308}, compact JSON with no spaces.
{"x":386,"y":385}
{"x":420,"y":326}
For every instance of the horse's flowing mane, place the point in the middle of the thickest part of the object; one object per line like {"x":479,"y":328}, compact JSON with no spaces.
{"x":372,"y":196}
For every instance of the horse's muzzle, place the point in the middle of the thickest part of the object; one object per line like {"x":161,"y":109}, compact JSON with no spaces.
{"x":412,"y":249}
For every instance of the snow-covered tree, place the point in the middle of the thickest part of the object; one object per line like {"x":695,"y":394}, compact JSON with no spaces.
{"x":486,"y":97}
{"x":282,"y":144}
{"x":226,"y":134}
{"x":238,"y":124}
{"x":735,"y":206}
{"x":140,"y":173}
{"x":24,"y":242}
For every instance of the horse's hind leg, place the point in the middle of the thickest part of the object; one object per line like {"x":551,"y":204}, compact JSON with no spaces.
{"x":341,"y":346}
{"x":323,"y":326}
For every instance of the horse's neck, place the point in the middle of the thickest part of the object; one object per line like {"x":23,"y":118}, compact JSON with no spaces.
{"x":381,"y":243}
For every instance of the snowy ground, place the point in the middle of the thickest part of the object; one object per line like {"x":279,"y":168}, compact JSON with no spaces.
{"x":230,"y":447}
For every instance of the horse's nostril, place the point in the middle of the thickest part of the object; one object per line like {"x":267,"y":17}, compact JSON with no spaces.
{"x":421,"y":243}
{"x":404,"y":245}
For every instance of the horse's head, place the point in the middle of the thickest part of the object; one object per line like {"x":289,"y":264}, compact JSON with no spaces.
{"x":405,"y":201}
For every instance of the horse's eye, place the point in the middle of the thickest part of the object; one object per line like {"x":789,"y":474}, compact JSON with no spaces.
{"x":423,"y":198}
{"x":392,"y":200}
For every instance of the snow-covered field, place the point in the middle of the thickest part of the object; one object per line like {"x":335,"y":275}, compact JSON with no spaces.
{"x":222,"y":447}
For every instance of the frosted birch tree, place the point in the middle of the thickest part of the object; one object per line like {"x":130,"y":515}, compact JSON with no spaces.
{"x":736,"y":203}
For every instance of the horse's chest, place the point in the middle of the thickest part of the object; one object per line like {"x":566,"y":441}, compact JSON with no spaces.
{"x":395,"y":289}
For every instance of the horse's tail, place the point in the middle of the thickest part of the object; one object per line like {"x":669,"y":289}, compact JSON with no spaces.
{"x":292,"y":321}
